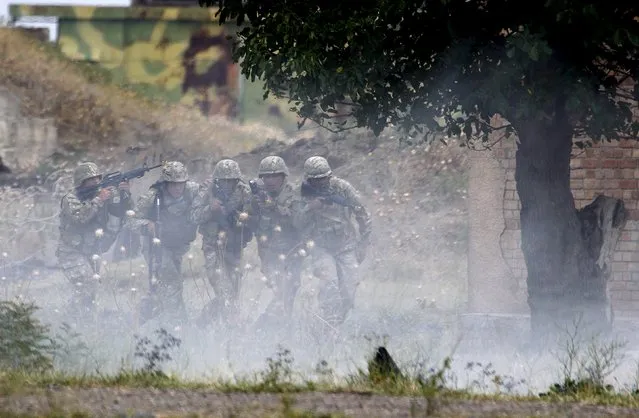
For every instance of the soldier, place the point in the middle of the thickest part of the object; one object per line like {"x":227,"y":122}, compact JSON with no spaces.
{"x":273,"y":203}
{"x":325,"y":221}
{"x":86,"y":232}
{"x":163,"y":215}
{"x":221,"y":211}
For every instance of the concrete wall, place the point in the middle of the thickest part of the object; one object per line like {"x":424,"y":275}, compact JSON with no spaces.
{"x":27,"y":218}
{"x":25,"y":143}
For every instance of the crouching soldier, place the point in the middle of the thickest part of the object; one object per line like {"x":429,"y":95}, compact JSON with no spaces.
{"x":272,"y":205}
{"x":326,"y":221}
{"x":86,"y":233}
{"x":163,"y":216}
{"x":221,"y":211}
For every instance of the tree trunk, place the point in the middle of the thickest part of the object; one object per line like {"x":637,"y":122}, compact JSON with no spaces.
{"x":565,"y":284}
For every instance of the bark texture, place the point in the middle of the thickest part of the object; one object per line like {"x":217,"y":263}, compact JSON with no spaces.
{"x":562,"y":247}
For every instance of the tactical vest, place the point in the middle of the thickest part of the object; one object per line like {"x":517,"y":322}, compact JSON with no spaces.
{"x":176,"y":230}
{"x":332,"y":227}
{"x":83,"y":237}
{"x":274,"y":231}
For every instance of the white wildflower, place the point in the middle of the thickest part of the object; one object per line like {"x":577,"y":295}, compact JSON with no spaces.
{"x":130,"y":213}
{"x":263,"y":238}
{"x":156,"y":241}
{"x":99,"y":233}
{"x":96,"y":277}
{"x":133,"y":289}
{"x":310,"y":244}
{"x":122,"y":249}
{"x":282,"y":257}
{"x":133,"y":274}
{"x":264,"y":279}
{"x":154,"y":280}
{"x":277,"y":228}
{"x":218,"y":271}
{"x":302,"y":252}
{"x":104,"y":262}
{"x":221,"y":234}
{"x":243,"y":216}
{"x":35,"y":272}
{"x":248,"y":266}
{"x":189,"y":256}
{"x":5,"y":255}
{"x":95,"y":257}
{"x":79,"y":284}
{"x":3,"y":278}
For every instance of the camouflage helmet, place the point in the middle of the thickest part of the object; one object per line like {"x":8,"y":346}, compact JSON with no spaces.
{"x":272,"y":165}
{"x":174,"y":172}
{"x":83,"y":172}
{"x":227,"y":169}
{"x":316,"y":167}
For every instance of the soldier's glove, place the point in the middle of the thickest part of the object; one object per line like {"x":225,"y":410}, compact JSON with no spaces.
{"x":105,"y":194}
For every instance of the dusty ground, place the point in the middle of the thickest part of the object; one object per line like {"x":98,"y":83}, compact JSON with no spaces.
{"x":162,"y":403}
{"x":414,"y":279}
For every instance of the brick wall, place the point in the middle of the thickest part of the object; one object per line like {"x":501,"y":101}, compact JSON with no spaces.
{"x":608,"y":168}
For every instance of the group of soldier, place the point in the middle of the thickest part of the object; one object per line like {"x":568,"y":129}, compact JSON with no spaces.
{"x":312,"y":222}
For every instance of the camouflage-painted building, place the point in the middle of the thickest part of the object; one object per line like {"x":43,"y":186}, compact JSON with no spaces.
{"x":179,"y":53}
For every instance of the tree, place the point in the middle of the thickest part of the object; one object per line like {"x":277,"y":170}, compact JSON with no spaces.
{"x":554,"y":69}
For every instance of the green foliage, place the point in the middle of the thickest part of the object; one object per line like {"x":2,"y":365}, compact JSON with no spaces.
{"x":25,"y":343}
{"x":444,"y":67}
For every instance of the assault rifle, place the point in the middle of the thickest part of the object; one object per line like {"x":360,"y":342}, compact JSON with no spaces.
{"x":220,"y":194}
{"x":325,"y":196}
{"x":256,"y":186}
{"x":155,"y":252}
{"x":257,"y":189}
{"x":113,"y":179}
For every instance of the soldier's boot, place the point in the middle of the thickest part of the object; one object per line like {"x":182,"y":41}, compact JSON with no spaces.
{"x":272,"y":324}
{"x":231,"y":315}
{"x":210,"y":315}
{"x":81,"y":308}
{"x":173,"y":318}
{"x":148,"y":308}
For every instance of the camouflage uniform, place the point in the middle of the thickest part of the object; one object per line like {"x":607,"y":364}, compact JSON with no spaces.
{"x":176,"y":232}
{"x":87,"y":230}
{"x":278,"y":241}
{"x":225,"y":233}
{"x":337,"y":251}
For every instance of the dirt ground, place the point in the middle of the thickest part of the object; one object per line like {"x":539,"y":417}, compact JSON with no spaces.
{"x":103,"y":402}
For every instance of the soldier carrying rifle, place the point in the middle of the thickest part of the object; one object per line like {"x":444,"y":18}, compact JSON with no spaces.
{"x":86,"y":233}
{"x":278,"y":241}
{"x":326,"y":220}
{"x":221,"y":211}
{"x":163,"y":216}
